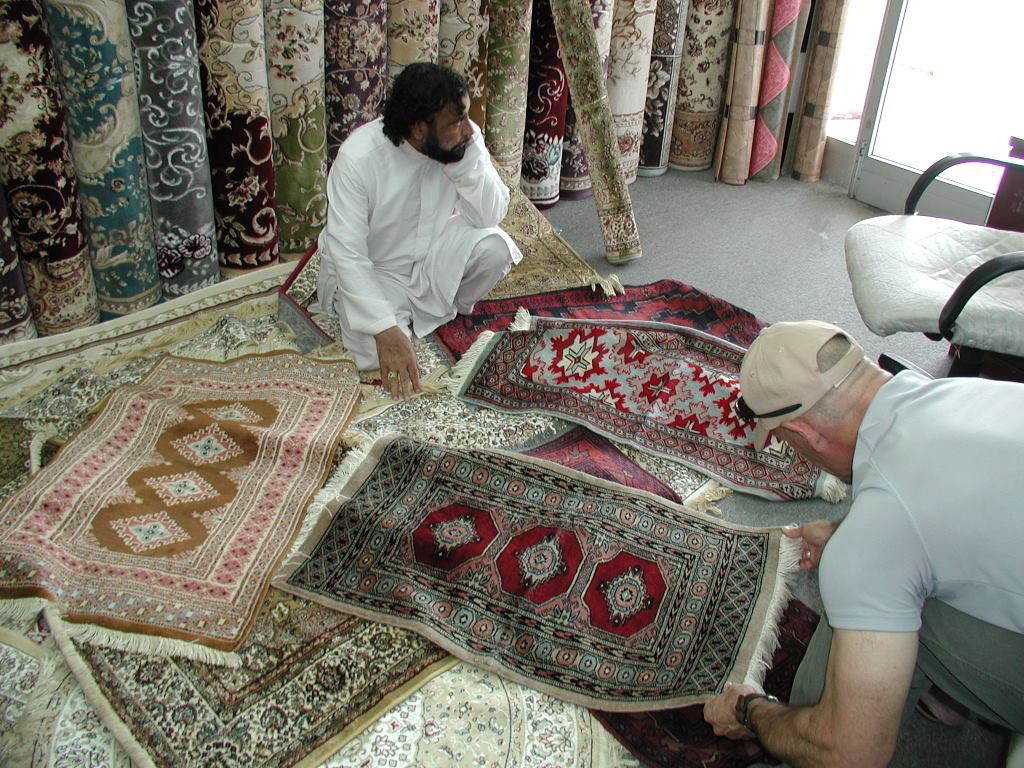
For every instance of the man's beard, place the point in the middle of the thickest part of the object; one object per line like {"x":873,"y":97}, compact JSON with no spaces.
{"x":432,"y":148}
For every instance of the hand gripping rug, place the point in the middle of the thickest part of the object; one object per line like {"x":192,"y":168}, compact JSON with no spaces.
{"x":680,"y":737}
{"x":588,"y":590}
{"x":167,"y":514}
{"x":666,"y":390}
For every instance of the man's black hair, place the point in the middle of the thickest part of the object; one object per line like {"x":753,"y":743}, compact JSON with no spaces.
{"x":421,"y":90}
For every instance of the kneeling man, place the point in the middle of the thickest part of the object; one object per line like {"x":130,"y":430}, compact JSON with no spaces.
{"x":921,"y":581}
{"x":412,"y":234}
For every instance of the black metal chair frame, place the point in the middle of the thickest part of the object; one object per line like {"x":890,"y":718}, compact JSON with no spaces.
{"x":967,"y":361}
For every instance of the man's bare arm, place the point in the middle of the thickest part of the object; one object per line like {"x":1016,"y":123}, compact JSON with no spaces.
{"x":855,"y":723}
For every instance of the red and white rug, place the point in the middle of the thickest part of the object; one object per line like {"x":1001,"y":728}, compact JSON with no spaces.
{"x":667,"y":390}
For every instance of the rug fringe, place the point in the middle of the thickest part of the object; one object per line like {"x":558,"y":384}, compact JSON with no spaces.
{"x":359,"y":445}
{"x":610,"y":285}
{"x":22,"y":609}
{"x":41,"y":433}
{"x":352,"y":438}
{"x":463,"y":370}
{"x":703,"y":499}
{"x":18,"y":745}
{"x":523,"y":321}
{"x":327,"y":501}
{"x":121,"y":733}
{"x":151,"y":645}
{"x":833,"y":489}
{"x":789,"y":566}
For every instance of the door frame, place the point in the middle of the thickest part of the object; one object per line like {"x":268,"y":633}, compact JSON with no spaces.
{"x":885,"y":184}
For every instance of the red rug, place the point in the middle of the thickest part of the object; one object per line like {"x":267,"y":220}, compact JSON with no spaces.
{"x":663,"y":389}
{"x":679,"y":737}
{"x":666,"y":301}
{"x":588,"y":590}
{"x":582,"y":450}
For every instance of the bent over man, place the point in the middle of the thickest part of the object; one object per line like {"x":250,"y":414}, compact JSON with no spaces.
{"x":921,"y":581}
{"x":412,"y":232}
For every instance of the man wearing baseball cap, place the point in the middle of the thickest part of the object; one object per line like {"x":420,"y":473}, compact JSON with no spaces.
{"x":920,"y":581}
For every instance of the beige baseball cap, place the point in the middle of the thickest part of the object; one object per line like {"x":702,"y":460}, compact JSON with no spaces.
{"x":781,"y":377}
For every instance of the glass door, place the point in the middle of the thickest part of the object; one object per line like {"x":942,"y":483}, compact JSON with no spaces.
{"x":945,"y":80}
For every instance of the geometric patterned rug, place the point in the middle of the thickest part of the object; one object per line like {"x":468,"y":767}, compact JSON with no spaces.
{"x":667,"y":390}
{"x":167,"y":514}
{"x":584,"y":589}
{"x":310,"y":679}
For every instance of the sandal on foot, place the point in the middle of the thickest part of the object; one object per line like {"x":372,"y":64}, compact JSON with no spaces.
{"x":938,"y":707}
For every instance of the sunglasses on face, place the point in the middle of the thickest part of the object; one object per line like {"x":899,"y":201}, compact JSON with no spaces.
{"x":747,"y":414}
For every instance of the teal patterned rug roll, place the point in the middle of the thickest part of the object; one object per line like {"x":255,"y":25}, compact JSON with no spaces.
{"x":93,"y":53}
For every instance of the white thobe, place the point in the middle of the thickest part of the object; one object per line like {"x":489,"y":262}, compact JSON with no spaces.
{"x":400,"y":229}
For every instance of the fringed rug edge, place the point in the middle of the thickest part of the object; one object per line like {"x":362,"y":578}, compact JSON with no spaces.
{"x":80,"y":670}
{"x":752,"y":660}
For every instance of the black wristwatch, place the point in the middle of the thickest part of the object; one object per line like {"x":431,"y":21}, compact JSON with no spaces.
{"x":743,"y":708}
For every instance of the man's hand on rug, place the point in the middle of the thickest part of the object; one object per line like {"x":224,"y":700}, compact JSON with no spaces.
{"x":399,"y":373}
{"x":813,"y":538}
{"x":720,"y":712}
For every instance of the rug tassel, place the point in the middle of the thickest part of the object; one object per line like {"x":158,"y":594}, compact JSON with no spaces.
{"x":833,"y":489}
{"x":432,"y":383}
{"x":24,"y":610}
{"x":462,"y":371}
{"x":121,"y":733}
{"x":789,"y":566}
{"x":18,"y":745}
{"x":352,"y":438}
{"x":610,"y":285}
{"x":324,"y":502}
{"x":132,"y":642}
{"x":35,"y":450}
{"x":523,"y":321}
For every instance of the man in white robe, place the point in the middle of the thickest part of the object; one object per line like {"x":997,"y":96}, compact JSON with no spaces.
{"x":412,"y":234}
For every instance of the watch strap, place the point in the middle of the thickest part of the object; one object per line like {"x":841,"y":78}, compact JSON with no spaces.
{"x":743,"y":708}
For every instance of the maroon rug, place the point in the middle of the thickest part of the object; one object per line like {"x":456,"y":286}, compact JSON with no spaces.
{"x":666,"y":301}
{"x":582,"y":450}
{"x":671,"y":738}
{"x":547,"y":98}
